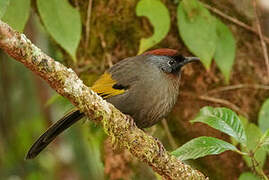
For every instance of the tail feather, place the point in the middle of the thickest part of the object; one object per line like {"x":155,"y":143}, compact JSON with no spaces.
{"x":53,"y":132}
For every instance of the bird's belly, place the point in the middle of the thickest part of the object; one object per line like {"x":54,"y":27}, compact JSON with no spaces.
{"x":155,"y":111}
{"x":146,"y":109}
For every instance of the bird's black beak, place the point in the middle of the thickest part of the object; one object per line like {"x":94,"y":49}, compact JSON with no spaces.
{"x":183,"y":62}
{"x":189,"y":60}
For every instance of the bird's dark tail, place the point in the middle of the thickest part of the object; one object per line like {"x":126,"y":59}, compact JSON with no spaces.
{"x":56,"y":129}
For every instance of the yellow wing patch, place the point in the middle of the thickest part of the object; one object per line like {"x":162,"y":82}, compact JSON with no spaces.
{"x":104,"y":86}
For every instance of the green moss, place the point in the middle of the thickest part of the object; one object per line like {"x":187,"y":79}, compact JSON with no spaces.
{"x":113,"y":23}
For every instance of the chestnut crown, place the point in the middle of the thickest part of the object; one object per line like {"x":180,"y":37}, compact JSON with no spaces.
{"x":169,"y":60}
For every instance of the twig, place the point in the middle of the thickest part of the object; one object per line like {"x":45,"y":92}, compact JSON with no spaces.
{"x":224,"y":102}
{"x":238,"y":86}
{"x":235,"y":21}
{"x":88,"y":24}
{"x":109,"y":61}
{"x":217,"y":100}
{"x":264,"y":47}
{"x":117,"y":125}
{"x":255,"y":165}
{"x":169,"y":135}
{"x":263,"y":175}
{"x":107,"y":55}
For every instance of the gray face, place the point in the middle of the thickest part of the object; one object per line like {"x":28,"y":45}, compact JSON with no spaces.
{"x":168,"y":64}
{"x":171,"y":64}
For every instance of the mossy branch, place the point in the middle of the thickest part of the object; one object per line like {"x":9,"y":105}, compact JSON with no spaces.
{"x":116,"y":124}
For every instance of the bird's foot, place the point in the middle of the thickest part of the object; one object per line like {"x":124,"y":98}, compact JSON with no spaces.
{"x":161,"y":147}
{"x":130,"y":120}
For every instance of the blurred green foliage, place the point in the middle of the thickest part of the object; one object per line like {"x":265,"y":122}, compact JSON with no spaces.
{"x":3,"y":7}
{"x":17,"y":13}
{"x":159,"y":17}
{"x":197,"y":27}
{"x":63,"y":23}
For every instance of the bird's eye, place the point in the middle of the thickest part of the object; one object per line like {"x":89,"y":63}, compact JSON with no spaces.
{"x":172,"y":62}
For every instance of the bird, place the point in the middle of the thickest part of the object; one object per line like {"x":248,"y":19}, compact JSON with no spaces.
{"x":145,"y":87}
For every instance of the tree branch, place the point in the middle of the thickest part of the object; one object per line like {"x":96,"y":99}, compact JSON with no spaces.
{"x":117,"y":125}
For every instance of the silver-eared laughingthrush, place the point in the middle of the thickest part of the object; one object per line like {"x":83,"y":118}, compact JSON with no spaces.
{"x":145,"y":87}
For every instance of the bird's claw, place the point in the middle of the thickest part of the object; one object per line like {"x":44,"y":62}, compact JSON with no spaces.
{"x":130,"y":120}
{"x":161,"y":147}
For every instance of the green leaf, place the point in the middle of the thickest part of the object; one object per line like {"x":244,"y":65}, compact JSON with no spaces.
{"x":225,"y":51}
{"x":224,"y":120}
{"x":159,"y":17}
{"x":3,"y":6}
{"x":254,"y":134}
{"x":244,"y":122}
{"x":263,"y":120}
{"x":202,"y":146}
{"x":264,"y":141}
{"x":197,"y":29}
{"x":248,"y":176}
{"x":63,"y":23}
{"x":17,"y":14}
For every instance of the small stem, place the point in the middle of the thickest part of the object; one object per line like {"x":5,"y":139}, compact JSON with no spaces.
{"x":255,"y":163}
{"x":257,"y":147}
{"x":264,"y":175}
{"x":262,"y":39}
{"x":169,"y":134}
{"x":88,"y":24}
{"x":238,"y":86}
{"x":223,"y":101}
{"x":241,"y":153}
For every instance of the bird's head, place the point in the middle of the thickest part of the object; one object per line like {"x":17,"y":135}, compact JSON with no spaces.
{"x":169,"y":60}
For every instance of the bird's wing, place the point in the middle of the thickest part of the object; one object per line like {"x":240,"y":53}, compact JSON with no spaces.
{"x":107,"y":87}
{"x":118,"y":79}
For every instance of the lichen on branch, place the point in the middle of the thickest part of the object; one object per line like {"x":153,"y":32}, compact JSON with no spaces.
{"x":117,"y":125}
